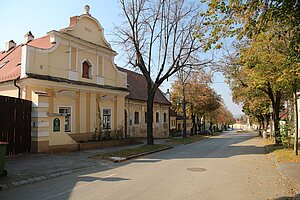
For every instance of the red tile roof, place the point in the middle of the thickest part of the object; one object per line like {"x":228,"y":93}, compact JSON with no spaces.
{"x":10,"y":64}
{"x":138,"y":88}
{"x":10,"y":61}
{"x":42,"y":42}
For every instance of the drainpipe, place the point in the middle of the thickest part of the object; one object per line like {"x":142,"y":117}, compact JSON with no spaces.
{"x":19,"y":89}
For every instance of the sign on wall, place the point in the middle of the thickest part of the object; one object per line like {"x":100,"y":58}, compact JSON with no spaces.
{"x":56,"y":125}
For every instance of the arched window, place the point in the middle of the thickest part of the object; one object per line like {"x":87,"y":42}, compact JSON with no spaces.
{"x":86,"y":69}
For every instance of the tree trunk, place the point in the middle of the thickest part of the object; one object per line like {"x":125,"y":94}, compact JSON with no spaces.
{"x":150,"y":100}
{"x":276,"y":107}
{"x":265,"y":126}
{"x":194,"y":127}
{"x":184,"y":116}
{"x":296,"y":124}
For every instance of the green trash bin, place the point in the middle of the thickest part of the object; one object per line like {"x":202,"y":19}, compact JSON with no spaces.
{"x":3,"y":172}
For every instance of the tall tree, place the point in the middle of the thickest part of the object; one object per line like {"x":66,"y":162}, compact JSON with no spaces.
{"x":200,"y":98}
{"x":158,"y":37}
{"x":261,"y":65}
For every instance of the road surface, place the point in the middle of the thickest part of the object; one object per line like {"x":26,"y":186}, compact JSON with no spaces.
{"x":229,"y":166}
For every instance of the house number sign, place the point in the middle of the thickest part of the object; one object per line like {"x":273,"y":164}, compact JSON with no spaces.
{"x":56,"y":125}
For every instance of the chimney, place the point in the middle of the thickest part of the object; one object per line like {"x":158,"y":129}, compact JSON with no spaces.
{"x":28,"y":37}
{"x":9,"y":45}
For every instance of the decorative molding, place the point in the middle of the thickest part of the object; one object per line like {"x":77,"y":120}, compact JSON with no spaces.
{"x":64,"y":93}
{"x":108,"y":98}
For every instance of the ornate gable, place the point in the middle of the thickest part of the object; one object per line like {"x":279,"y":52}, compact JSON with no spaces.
{"x":87,"y":28}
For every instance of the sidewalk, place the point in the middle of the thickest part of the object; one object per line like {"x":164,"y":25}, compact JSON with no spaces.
{"x":30,"y":168}
{"x":289,"y":171}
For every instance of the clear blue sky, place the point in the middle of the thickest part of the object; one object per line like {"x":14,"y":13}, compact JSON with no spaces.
{"x":39,"y":17}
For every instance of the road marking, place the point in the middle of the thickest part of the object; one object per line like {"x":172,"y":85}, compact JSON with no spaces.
{"x":76,"y":188}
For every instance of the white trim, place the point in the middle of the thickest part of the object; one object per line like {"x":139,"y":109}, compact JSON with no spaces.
{"x":111,"y":116}
{"x":77,"y":59}
{"x":73,"y":75}
{"x":24,"y":61}
{"x":90,"y":70}
{"x":40,"y":105}
{"x":39,"y":114}
{"x":103,"y":59}
{"x":39,"y":133}
{"x":71,"y":120}
{"x":51,"y":49}
{"x":100,"y":80}
{"x":97,"y":60}
{"x":70,"y":58}
{"x":40,"y":124}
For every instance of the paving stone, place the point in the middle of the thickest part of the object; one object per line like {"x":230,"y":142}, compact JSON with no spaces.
{"x":15,"y":183}
{"x":4,"y":186}
{"x":22,"y":182}
{"x":30,"y":180}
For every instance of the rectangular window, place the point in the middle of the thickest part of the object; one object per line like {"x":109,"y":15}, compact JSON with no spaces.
{"x":157,"y":117}
{"x":106,"y":118}
{"x":145,"y":117}
{"x":165,"y":117}
{"x":66,"y":111}
{"x":136,"y":117}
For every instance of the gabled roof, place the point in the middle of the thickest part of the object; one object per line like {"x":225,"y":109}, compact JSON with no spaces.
{"x":173,"y":113}
{"x":10,"y":61}
{"x":137,"y":86}
{"x":10,"y":64}
{"x":41,"y":43}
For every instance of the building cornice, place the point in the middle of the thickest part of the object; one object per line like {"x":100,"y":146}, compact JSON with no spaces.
{"x":64,"y":80}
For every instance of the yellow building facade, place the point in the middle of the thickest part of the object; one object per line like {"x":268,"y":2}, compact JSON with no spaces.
{"x":72,"y":81}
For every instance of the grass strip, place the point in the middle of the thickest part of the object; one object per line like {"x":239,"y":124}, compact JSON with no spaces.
{"x":187,"y":139}
{"x":125,"y":153}
{"x":244,"y":131}
{"x":283,"y":154}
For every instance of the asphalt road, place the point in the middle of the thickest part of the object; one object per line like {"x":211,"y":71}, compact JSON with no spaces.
{"x":228,"y":166}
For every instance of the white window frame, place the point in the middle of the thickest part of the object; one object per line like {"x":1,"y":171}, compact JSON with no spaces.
{"x":111,"y":118}
{"x":61,"y":106}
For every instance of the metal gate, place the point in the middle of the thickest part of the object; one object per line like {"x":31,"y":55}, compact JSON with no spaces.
{"x":15,"y":124}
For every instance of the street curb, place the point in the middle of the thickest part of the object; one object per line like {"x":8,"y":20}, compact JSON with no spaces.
{"x":281,"y":171}
{"x":141,"y":154}
{"x":197,"y":140}
{"x":41,"y":178}
{"x":62,"y":173}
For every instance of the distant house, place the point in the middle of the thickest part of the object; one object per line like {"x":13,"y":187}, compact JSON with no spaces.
{"x":136,"y":108}
{"x":173,"y":121}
